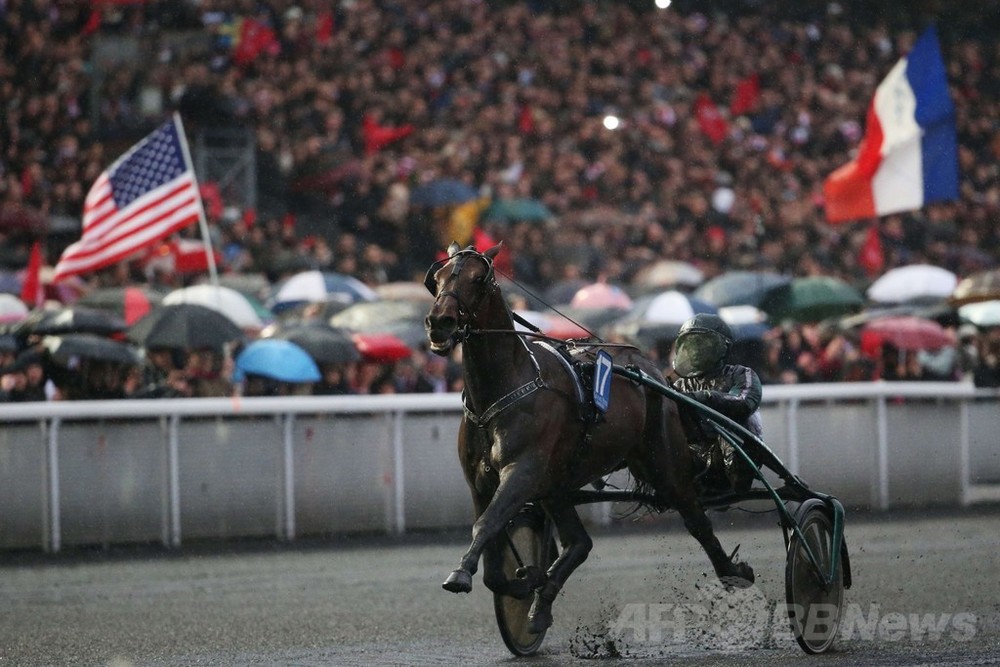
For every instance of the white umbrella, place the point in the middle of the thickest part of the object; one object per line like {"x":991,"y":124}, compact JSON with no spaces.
{"x":673,"y":307}
{"x":12,"y":309}
{"x":225,"y":300}
{"x":982,"y":313}
{"x":915,"y":281}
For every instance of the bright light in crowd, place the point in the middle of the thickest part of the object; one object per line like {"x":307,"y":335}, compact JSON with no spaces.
{"x":611,"y":122}
{"x":662,"y":4}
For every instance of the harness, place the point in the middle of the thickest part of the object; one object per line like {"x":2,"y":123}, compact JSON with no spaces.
{"x":506,"y":401}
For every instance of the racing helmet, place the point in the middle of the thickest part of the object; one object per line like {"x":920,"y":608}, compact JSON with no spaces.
{"x":702,"y":345}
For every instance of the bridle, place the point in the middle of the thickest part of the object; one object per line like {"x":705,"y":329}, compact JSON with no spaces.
{"x":466,"y":312}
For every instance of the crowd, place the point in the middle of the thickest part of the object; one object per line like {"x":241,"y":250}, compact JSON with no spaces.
{"x":730,"y":115}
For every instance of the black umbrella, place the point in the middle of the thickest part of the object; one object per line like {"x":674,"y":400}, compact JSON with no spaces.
{"x":443,"y":192}
{"x":67,"y":349}
{"x":71,"y":319}
{"x":740,"y":287}
{"x":185,"y":325}
{"x":324,"y":344}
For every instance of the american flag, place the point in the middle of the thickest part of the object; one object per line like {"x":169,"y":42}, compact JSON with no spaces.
{"x":148,"y":193}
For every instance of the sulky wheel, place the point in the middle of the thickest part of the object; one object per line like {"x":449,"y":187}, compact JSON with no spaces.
{"x":531,"y":536}
{"x":814,"y":606}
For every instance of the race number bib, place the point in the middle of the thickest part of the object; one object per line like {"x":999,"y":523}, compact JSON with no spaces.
{"x":602,"y":381}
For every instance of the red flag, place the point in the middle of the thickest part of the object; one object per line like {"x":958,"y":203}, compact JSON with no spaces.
{"x":255,"y":37}
{"x":324,"y":27}
{"x":377,"y":136}
{"x":745,"y":96}
{"x":871,"y":257}
{"x":32,"y":291}
{"x":148,"y":193}
{"x":711,"y":122}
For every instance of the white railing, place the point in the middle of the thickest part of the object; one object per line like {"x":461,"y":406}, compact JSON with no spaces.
{"x":141,"y":470}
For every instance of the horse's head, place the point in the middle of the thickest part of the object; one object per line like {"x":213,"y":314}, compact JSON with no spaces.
{"x":461,"y":283}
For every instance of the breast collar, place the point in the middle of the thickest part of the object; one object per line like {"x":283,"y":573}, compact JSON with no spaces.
{"x":508,"y":400}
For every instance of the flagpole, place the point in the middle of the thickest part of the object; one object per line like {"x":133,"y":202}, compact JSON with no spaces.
{"x":213,"y":274}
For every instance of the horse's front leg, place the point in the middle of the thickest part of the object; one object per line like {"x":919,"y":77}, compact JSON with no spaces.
{"x":518,"y":484}
{"x":576,"y":545}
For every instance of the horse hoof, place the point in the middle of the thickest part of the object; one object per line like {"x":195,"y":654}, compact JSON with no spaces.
{"x":540,"y":622}
{"x":459,"y":581}
{"x":743,"y":577}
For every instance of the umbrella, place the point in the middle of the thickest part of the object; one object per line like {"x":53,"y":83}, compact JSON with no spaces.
{"x":670,"y":307}
{"x":982,"y":313}
{"x":381,"y":348}
{"x":981,"y":286}
{"x":509,"y":210}
{"x":811,"y":299}
{"x":315,"y":286}
{"x":234,"y":305}
{"x":905,"y":332}
{"x":68,"y":349}
{"x":601,"y":296}
{"x":913,"y":282}
{"x":747,"y":322}
{"x":736,"y":288}
{"x":187,"y":326}
{"x":70,"y":319}
{"x":669,"y":273}
{"x":277,"y":359}
{"x":12,"y":309}
{"x":324,"y":344}
{"x":130,"y":303}
{"x":443,"y":192}
{"x":404,"y":319}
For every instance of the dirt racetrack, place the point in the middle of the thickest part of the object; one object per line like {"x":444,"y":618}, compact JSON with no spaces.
{"x":927,"y":591}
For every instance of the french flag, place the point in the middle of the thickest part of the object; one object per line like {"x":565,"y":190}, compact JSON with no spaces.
{"x":909,"y":154}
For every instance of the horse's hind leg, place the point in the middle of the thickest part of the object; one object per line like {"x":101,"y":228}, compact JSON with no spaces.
{"x":671,"y":471}
{"x":518,"y":483}
{"x":576,"y":545}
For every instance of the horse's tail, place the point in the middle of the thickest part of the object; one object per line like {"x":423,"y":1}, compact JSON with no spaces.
{"x":647,"y":500}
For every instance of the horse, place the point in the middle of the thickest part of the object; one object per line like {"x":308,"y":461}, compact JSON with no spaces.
{"x":521,"y":440}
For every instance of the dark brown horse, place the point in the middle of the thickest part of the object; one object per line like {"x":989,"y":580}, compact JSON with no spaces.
{"x":522,"y":438}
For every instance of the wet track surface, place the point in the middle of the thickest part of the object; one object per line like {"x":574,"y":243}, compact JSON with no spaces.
{"x":927,"y":591}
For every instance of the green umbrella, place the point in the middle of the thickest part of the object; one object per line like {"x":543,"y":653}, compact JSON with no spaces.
{"x":510,"y":210}
{"x":811,"y":299}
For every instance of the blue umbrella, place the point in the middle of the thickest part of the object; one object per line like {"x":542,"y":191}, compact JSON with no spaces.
{"x":443,"y":192}
{"x":277,"y":359}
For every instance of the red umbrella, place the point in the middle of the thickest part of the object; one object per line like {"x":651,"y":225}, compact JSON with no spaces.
{"x":601,"y":295}
{"x":906,"y":333}
{"x":381,"y":348}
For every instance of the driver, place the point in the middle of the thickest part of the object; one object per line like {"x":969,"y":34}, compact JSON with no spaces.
{"x":700,"y":352}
